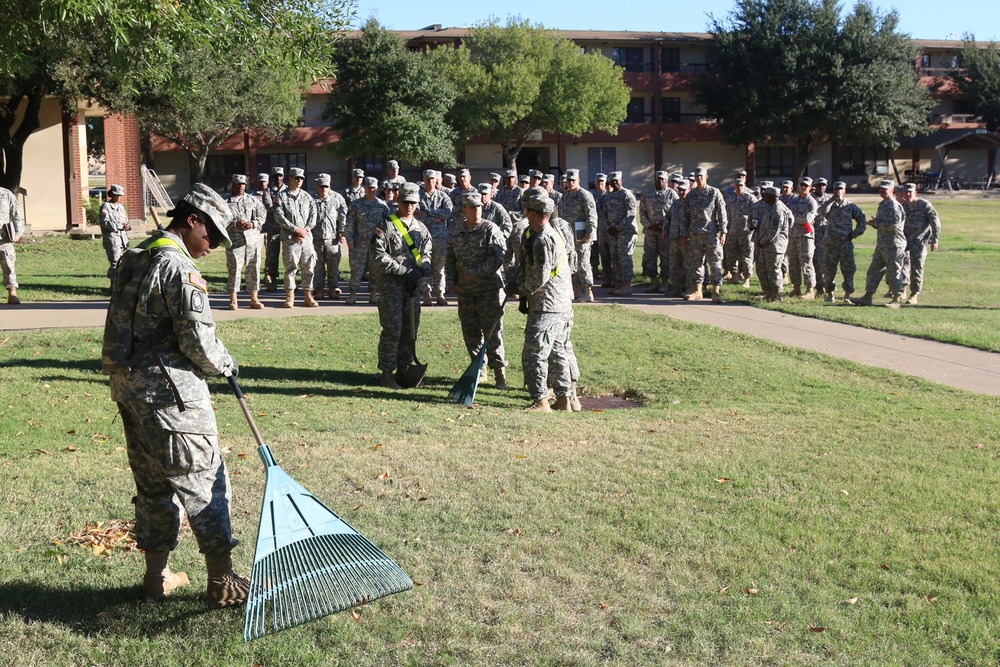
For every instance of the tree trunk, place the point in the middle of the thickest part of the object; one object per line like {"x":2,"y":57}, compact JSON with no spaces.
{"x":12,"y":142}
{"x":510,"y":153}
{"x":201,"y":157}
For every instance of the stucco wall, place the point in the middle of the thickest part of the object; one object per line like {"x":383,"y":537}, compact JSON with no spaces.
{"x":44,"y":174}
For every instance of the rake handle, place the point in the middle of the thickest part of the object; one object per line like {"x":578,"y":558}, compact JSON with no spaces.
{"x":262,"y":449}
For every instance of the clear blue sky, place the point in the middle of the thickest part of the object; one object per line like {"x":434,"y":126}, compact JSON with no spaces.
{"x":922,"y":19}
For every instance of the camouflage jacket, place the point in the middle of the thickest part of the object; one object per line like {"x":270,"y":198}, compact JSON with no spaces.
{"x":653,"y":209}
{"x":353,"y":194}
{"x":705,"y":212}
{"x":579,"y":206}
{"x":436,"y":207}
{"x":889,"y":221}
{"x":509,"y":199}
{"x":479,"y":252}
{"x":499,"y":216}
{"x":249,"y":208}
{"x":457,"y":217}
{"x":362,"y":217}
{"x":922,"y":222}
{"x":673,"y":225}
{"x":544,"y":274}
{"x":11,"y":222}
{"x":390,"y":256}
{"x":295,"y":211}
{"x":839,"y":216}
{"x":271,"y":224}
{"x":619,"y":212}
{"x":772,"y":228}
{"x":331,"y":215}
{"x":803,"y":211}
{"x":114,"y":217}
{"x":821,"y":219}
{"x":739,"y":210}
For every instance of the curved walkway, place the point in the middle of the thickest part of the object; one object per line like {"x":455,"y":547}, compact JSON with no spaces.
{"x":953,"y":365}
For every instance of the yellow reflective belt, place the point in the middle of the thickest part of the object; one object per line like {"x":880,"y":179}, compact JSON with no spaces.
{"x":406,"y":236}
{"x":562,"y":249}
{"x":164,"y":241}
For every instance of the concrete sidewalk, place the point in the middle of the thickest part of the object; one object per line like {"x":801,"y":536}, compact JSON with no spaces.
{"x":952,"y":365}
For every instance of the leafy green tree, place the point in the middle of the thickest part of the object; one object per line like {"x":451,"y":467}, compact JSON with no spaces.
{"x":797,"y":71}
{"x":118,"y":52}
{"x":516,"y":78}
{"x":979,"y":79}
{"x":388,"y":102}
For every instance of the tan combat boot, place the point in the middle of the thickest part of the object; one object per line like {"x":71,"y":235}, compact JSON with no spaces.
{"x":500,"y":374}
{"x":233,"y":303}
{"x":912,"y":301}
{"x":426,"y":301}
{"x":541,"y":405}
{"x":484,"y":374}
{"x":255,"y":303}
{"x":624,"y":290}
{"x":442,"y":300}
{"x":159,"y":580}
{"x":746,"y":284}
{"x":225,"y":588}
{"x":289,"y":298}
{"x":388,"y":381}
{"x":308,"y":301}
{"x":562,"y":404}
{"x":574,"y":400}
{"x":694,"y":294}
{"x":12,"y":299}
{"x":716,"y":295}
{"x":810,"y":293}
{"x":588,"y":294}
{"x":896,"y":302}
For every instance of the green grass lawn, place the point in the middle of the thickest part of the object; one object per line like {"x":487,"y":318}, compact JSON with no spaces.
{"x":768,"y":506}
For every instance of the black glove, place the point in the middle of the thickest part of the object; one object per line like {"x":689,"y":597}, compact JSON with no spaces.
{"x":522,"y":305}
{"x":412,"y":280}
{"x":234,"y":369}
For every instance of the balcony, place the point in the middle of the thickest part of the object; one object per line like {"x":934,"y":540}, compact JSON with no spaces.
{"x":955,"y":119}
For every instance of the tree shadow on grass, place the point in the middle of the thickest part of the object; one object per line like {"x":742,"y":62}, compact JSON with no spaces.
{"x":335,"y":383}
{"x":121,"y":611}
{"x":78,"y":291}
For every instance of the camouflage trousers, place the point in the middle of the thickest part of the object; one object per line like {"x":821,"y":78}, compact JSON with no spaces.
{"x":621,"y":246}
{"x":800,"y":260}
{"x":115,"y":246}
{"x":272,"y":257}
{"x":655,"y":256}
{"x":769,"y":264}
{"x":737,"y":255}
{"x":702,"y":249}
{"x":544,"y":354}
{"x":837,"y":252}
{"x":819,"y":256}
{"x":395,"y":342}
{"x":8,"y":258}
{"x":675,"y":253}
{"x":358,"y":258}
{"x":886,"y":261}
{"x":603,"y":255}
{"x":480,"y":314}
{"x":584,"y":275}
{"x":911,"y":271}
{"x":327,"y":271}
{"x":245,"y":257}
{"x":177,"y":465}
{"x":574,"y":367}
{"x":434,"y":283}
{"x":297,"y":257}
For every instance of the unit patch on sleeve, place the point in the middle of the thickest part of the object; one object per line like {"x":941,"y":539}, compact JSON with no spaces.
{"x":198,"y":281}
{"x":197,"y":301}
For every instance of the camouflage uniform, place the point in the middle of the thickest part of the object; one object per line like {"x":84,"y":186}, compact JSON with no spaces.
{"x":820,"y":225}
{"x":114,"y":236}
{"x":770,"y":237}
{"x":737,"y":253}
{"x":838,"y":243}
{"x":499,"y":216}
{"x":704,"y":220}
{"x":353,"y":194}
{"x":159,"y":345}
{"x":544,"y":280}
{"x":600,"y":258}
{"x":457,"y":217}
{"x":437,"y":207}
{"x":512,"y":258}
{"x":922,"y":228}
{"x":673,"y":231}
{"x":473,"y":261}
{"x":510,"y":199}
{"x":579,"y":207}
{"x":292,"y":212}
{"x":244,"y":253}
{"x":11,"y":227}
{"x":890,"y":245}
{"x":391,"y":260}
{"x":362,"y":217}
{"x":272,"y":235}
{"x":653,"y":210}
{"x":619,"y":211}
{"x":801,"y":241}
{"x":331,"y":214}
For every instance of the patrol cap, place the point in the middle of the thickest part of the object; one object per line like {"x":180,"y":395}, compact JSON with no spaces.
{"x":485,"y":188}
{"x":116,"y":190}
{"x":297,"y":172}
{"x":207,"y":201}
{"x":740,"y":180}
{"x":323,"y":179}
{"x":540,"y":203}
{"x":278,"y":171}
{"x":494,"y":176}
{"x":572,"y":174}
{"x":676,"y":178}
{"x":740,"y":172}
{"x":409,"y":193}
{"x":392,"y":164}
{"x":464,"y":172}
{"x":770,"y":190}
{"x":910,"y":187}
{"x":661,"y":175}
{"x":600,"y":177}
{"x":472,"y":199}
{"x":437,"y":174}
{"x":549,"y":178}
{"x":430,"y":173}
{"x":683,"y":184}
{"x":510,"y":173}
{"x":615,"y":176}
{"x":240,"y":178}
{"x":523,"y":179}
{"x":536,"y":191}
{"x":390,"y":185}
{"x":370,"y":182}
{"x":821,"y":181}
{"x":358,"y":173}
{"x":263,"y":178}
{"x":700,"y":171}
{"x":840,"y":185}
{"x":534,"y":173}
{"x":805,"y":180}
{"x":766,"y":184}
{"x":449,"y":179}
{"x":886,"y":185}
{"x":787,"y":184}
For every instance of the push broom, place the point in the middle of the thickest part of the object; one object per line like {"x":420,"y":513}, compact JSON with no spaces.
{"x":464,"y":391}
{"x":309,"y":562}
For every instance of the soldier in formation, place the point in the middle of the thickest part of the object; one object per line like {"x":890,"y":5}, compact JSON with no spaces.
{"x":295,"y":214}
{"x":922,"y":230}
{"x":578,"y":207}
{"x":362,"y":217}
{"x":845,"y":221}
{"x":802,"y":240}
{"x":620,"y":212}
{"x":737,"y":254}
{"x":114,"y":228}
{"x":434,"y":211}
{"x":673,"y":228}
{"x":355,"y":190}
{"x":494,"y":212}
{"x":771,"y":222}
{"x":331,"y":216}
{"x":890,"y":245}
{"x":820,"y":226}
{"x":509,"y":195}
{"x":653,"y":209}
{"x":244,"y":249}
{"x":11,"y":229}
{"x":600,"y":255}
{"x":703,"y":234}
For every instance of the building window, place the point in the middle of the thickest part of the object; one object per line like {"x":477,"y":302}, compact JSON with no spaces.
{"x":284,"y":160}
{"x":636,"y":110}
{"x":774,"y":161}
{"x":925,"y":60}
{"x":600,"y":161}
{"x":629,"y":57}
{"x":671,"y":109}
{"x":863,"y":160}
{"x":670,"y":60}
{"x":219,"y":170}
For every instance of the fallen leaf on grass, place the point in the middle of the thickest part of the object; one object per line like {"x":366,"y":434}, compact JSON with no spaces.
{"x":376,"y":446}
{"x":420,"y":500}
{"x":101,"y":539}
{"x":227,"y":450}
{"x":384,"y":475}
{"x":884,"y":567}
{"x":817,"y":628}
{"x":347,"y":449}
{"x":70,"y":448}
{"x":359,"y":507}
{"x":243,"y":455}
{"x":931,"y":598}
{"x":44,"y":451}
{"x":356,"y":615}
{"x":520,"y":456}
{"x":722,"y":480}
{"x":724,"y":590}
{"x":844,"y":491}
{"x":751,"y":591}
{"x":781,"y":626}
{"x":603,"y":606}
{"x":515,"y":531}
{"x":550,"y":471}
{"x":979,"y":446}
{"x":852,"y":601}
{"x":73,"y":432}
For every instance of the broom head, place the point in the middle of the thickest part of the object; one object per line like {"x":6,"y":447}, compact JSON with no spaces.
{"x":309,"y":562}
{"x":464,"y":390}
